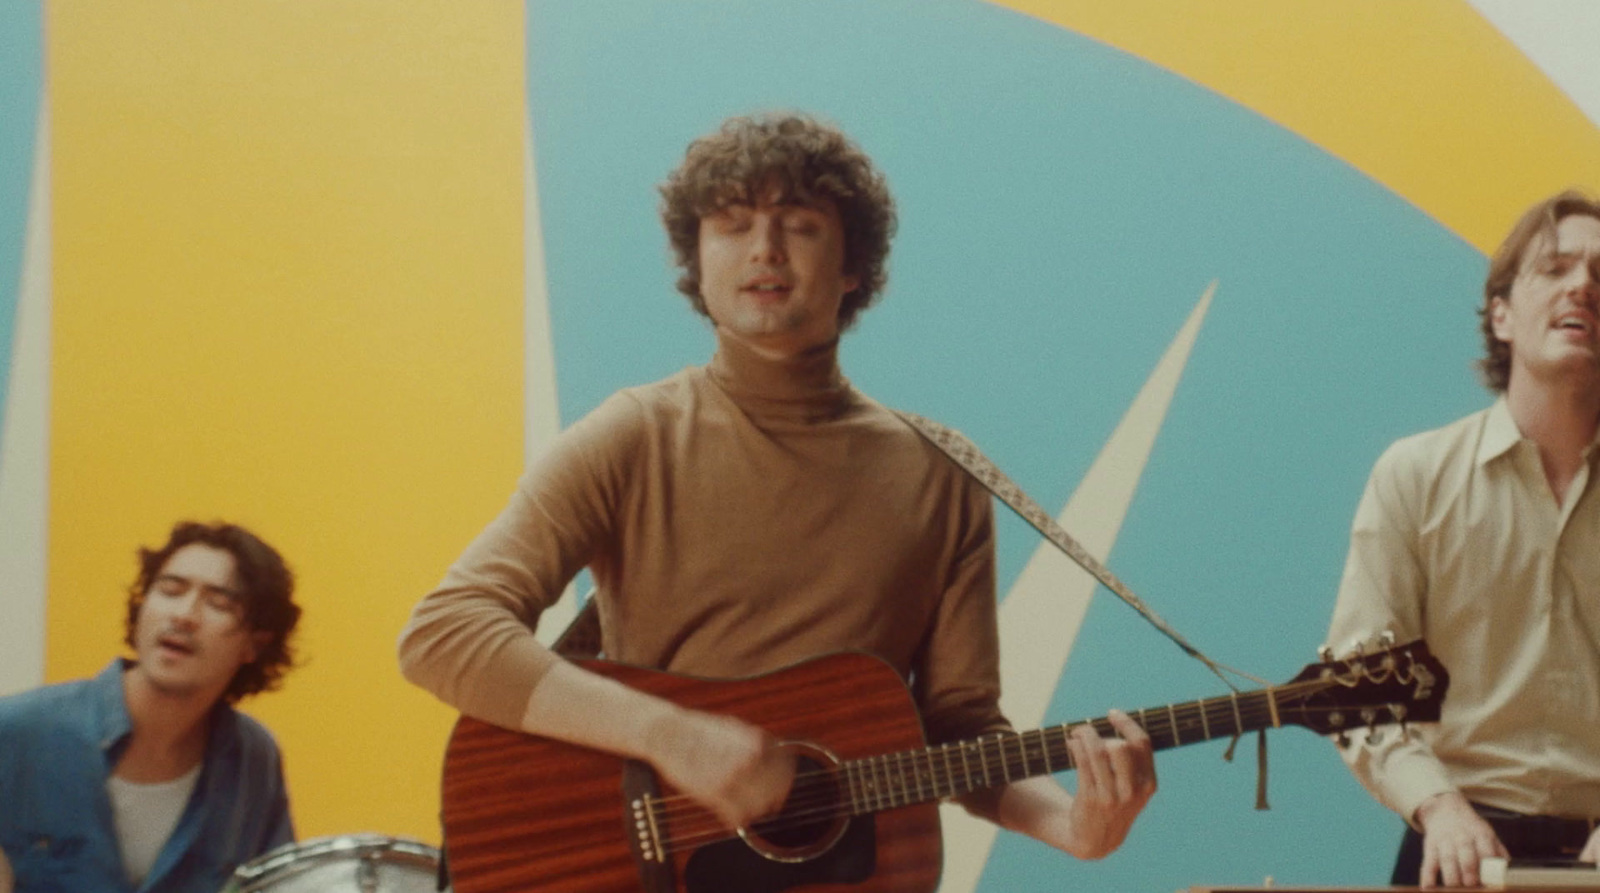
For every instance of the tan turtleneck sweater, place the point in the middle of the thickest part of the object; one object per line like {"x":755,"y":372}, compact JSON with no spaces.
{"x":736,"y":518}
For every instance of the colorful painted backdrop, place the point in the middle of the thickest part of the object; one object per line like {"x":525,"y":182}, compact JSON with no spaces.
{"x":1182,"y":268}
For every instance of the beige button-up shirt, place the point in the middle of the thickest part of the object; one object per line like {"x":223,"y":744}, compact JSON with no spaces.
{"x":1458,"y":539}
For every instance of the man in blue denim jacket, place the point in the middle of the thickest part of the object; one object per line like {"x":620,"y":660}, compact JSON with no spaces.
{"x":145,"y":777}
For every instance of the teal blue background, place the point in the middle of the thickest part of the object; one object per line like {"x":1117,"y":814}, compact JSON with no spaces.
{"x":1062,"y":206}
{"x":21,"y":86}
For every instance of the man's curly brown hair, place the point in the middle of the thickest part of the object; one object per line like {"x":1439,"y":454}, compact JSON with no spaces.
{"x":807,"y":161}
{"x":268,"y":587}
{"x":1504,"y":267}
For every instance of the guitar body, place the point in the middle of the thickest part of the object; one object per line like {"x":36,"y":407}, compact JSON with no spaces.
{"x":527,"y":813}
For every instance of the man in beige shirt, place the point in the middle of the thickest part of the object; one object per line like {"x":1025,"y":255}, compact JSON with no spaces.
{"x":740,"y":516}
{"x":1484,"y":537}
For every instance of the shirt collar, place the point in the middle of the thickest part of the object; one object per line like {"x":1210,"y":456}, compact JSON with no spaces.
{"x":1500,"y":432}
{"x":114,"y":724}
{"x":111,"y":705}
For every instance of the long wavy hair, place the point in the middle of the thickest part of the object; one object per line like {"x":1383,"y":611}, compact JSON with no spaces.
{"x":268,"y":586}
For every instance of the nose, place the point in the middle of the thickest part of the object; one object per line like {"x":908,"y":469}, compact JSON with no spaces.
{"x":1590,"y":276}
{"x":766,"y":240}
{"x":186,"y":607}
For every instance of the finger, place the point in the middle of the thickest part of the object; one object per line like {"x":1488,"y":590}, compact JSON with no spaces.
{"x":1131,"y":731}
{"x":1088,"y":784}
{"x":1097,"y":761}
{"x":1450,"y":867}
{"x":1130,"y":771}
{"x":1430,"y":868}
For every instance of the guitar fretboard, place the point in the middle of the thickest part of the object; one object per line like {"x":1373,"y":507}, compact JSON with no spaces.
{"x":961,"y":767}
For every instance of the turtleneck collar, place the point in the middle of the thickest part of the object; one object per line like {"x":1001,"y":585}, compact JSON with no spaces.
{"x":804,"y":388}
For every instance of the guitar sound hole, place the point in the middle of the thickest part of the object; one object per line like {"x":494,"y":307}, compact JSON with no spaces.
{"x":790,"y":829}
{"x":812,"y":819}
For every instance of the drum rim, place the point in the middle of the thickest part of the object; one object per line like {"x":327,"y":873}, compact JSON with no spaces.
{"x":361,"y":845}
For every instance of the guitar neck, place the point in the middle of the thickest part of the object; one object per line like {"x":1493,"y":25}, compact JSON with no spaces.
{"x":961,"y":767}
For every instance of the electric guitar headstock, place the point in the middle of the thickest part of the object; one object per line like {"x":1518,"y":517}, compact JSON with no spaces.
{"x":1378,"y":684}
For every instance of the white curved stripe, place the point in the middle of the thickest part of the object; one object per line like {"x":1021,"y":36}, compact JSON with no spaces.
{"x":541,"y":413}
{"x":24,"y":443}
{"x":1040,"y":617}
{"x":1559,"y":37}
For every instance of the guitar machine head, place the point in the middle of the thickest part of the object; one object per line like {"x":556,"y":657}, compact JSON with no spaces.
{"x":1377,"y":684}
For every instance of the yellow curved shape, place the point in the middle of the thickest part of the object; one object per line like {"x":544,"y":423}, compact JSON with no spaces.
{"x":1425,"y":96}
{"x":288,"y":292}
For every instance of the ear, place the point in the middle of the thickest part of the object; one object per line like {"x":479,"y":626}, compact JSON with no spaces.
{"x":1498,"y":308}
{"x":851,"y":282}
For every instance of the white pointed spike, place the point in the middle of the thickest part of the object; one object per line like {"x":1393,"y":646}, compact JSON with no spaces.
{"x":25,"y":443}
{"x":1039,"y":619}
{"x":541,"y":411}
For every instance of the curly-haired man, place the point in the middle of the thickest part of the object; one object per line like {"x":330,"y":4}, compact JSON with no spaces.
{"x":1484,"y":536}
{"x":144,"y":777}
{"x":754,"y":512}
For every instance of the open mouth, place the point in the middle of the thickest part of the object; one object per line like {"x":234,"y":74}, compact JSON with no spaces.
{"x":767,"y":287}
{"x":1572,"y":323}
{"x":175,"y":647}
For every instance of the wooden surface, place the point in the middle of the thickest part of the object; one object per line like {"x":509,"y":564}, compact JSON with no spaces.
{"x":526,"y":813}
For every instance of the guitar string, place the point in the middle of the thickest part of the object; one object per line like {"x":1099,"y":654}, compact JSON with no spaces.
{"x":1253,"y":704}
{"x":822,"y":794}
{"x":894,"y":775}
{"x":1190,"y":714}
{"x":829,"y":805}
{"x":696,"y":827}
{"x":815,"y":803}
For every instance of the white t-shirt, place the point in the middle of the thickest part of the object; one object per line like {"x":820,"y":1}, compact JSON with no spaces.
{"x":145,"y":815}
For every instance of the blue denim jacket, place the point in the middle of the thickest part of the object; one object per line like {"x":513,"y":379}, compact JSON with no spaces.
{"x":58,"y":745}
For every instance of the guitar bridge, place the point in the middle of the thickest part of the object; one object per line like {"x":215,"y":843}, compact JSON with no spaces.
{"x":644,"y":832}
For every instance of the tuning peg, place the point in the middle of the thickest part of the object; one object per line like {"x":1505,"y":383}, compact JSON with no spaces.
{"x":1324,"y":653}
{"x":1374,"y":736}
{"x":1341,"y":739}
{"x":1386,"y":639}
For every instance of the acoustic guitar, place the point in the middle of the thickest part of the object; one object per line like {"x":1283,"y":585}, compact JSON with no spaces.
{"x":527,"y":813}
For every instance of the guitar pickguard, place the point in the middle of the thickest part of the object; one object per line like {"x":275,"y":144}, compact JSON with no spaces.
{"x":732,"y":867}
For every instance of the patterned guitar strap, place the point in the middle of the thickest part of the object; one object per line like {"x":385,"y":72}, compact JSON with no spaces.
{"x":582,"y":637}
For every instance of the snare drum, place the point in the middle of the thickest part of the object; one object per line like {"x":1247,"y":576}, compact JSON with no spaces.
{"x":359,"y":863}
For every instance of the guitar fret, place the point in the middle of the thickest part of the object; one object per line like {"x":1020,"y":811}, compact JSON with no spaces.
{"x":1005,"y":762}
{"x":966,"y":769}
{"x":879,"y":782}
{"x":1205,"y":724}
{"x":1044,"y":749}
{"x":853,"y":779}
{"x":983,"y":761}
{"x":900,"y":780}
{"x":1238,"y":721}
{"x":1172,"y":720}
{"x":918,"y":773}
{"x":949,"y":774}
{"x":1272,"y":706}
{"x":893,"y":782}
{"x":885,"y":782}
